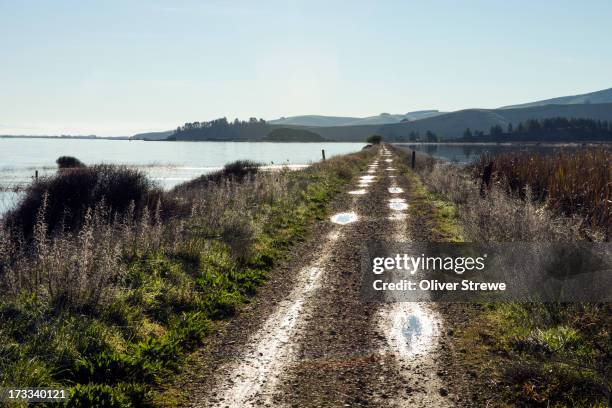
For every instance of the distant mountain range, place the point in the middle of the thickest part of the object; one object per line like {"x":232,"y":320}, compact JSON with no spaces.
{"x":382,"y":119}
{"x":448,"y":125}
{"x":452,"y":125}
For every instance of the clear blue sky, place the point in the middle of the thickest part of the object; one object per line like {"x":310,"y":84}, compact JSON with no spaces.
{"x":120,"y":67}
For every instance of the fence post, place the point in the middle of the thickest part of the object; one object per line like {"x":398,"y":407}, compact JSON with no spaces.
{"x":413,"y":159}
{"x":323,"y":153}
{"x":36,"y":174}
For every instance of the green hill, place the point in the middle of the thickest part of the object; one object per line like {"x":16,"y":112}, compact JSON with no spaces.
{"x":604,"y":96}
{"x":452,"y":125}
{"x":293,"y":135}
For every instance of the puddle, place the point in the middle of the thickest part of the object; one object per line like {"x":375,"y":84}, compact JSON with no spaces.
{"x":398,"y":204}
{"x":344,"y":218}
{"x":358,"y":192}
{"x":390,"y":169}
{"x":389,"y":160}
{"x":371,"y":171}
{"x":414,"y":328}
{"x":364,"y":178}
{"x":396,"y":190}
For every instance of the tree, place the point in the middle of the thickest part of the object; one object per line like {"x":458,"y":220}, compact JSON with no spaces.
{"x":374,"y":139}
{"x":431,"y":136}
{"x":496,"y":130}
{"x":467,"y":134}
{"x":413,"y":137}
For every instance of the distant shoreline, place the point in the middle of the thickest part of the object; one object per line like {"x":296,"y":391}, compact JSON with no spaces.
{"x":164,"y":140}
{"x":66,"y":137}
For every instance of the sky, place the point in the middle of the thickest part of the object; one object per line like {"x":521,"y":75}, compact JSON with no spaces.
{"x":115,"y":68}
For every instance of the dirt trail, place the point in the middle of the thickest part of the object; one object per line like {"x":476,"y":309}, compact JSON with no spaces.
{"x":320,"y":344}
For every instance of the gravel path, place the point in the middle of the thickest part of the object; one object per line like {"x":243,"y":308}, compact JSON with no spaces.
{"x":310,"y":340}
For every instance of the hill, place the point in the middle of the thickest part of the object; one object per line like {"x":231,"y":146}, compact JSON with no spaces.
{"x":292,"y":135}
{"x":383,"y":118}
{"x":452,"y":125}
{"x":604,"y":96}
{"x":153,"y":135}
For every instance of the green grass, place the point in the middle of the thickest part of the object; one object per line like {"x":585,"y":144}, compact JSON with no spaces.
{"x":438,"y":215}
{"x":167,"y":305}
{"x":542,"y":354}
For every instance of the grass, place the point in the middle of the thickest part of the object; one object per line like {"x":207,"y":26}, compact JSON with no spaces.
{"x":434,"y":216}
{"x":570,"y":183}
{"x":540,"y":354}
{"x":438,"y":215}
{"x":112,"y":309}
{"x":527,"y":354}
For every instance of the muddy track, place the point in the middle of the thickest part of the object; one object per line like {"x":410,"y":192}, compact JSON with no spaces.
{"x":312,"y":341}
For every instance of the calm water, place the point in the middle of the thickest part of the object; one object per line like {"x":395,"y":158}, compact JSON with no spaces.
{"x":467,"y":153}
{"x":168,"y":163}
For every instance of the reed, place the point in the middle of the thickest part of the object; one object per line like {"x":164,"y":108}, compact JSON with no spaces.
{"x":568,"y":182}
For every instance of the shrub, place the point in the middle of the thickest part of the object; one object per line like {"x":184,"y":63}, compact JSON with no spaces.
{"x":374,"y":139}
{"x":69,"y":162}
{"x":235,"y":171}
{"x":240,"y":169}
{"x":71,"y":194}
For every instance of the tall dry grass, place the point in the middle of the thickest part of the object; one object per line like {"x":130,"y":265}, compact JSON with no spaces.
{"x":497,"y":217}
{"x":569,"y":182}
{"x":82,"y":269}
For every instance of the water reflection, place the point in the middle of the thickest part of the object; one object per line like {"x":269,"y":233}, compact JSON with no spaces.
{"x":344,"y":218}
{"x":466,"y":153}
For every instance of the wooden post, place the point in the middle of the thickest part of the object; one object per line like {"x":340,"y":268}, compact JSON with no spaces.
{"x":36,"y":174}
{"x":323,"y":153}
{"x":413,"y":159}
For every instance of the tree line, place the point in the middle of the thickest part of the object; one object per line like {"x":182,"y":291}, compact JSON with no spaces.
{"x":549,"y":129}
{"x":222,"y":129}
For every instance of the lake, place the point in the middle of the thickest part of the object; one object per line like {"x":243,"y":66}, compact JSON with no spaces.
{"x":167,"y":163}
{"x":467,"y":153}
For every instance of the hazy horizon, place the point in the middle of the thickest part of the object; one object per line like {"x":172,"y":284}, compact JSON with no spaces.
{"x":115,"y":69}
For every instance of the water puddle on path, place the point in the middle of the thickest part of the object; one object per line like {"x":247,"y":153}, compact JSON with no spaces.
{"x":397,"y":204}
{"x":389,"y":160}
{"x":413,"y":328}
{"x":358,"y":192}
{"x":396,"y":190}
{"x":344,"y":218}
{"x":367,"y":178}
{"x":390,"y":169}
